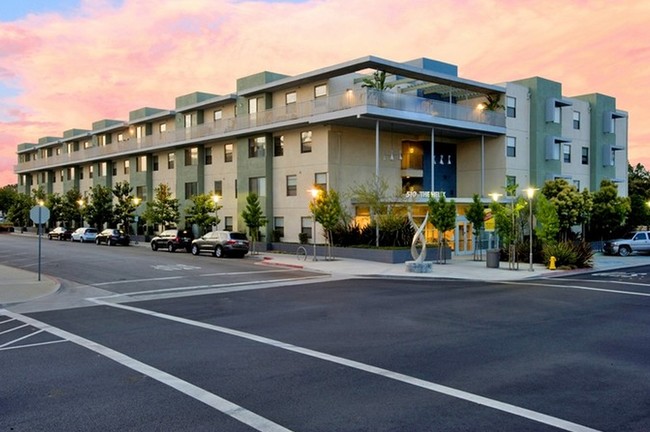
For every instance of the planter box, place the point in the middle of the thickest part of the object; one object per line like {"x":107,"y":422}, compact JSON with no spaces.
{"x":390,"y":256}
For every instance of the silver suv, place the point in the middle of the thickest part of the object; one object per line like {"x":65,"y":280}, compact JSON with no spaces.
{"x":221,"y":244}
{"x":635,"y":241}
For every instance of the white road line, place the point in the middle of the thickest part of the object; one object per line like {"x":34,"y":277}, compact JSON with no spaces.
{"x":33,"y":345}
{"x":209,"y":289}
{"x":21,"y":338}
{"x":176,"y":277}
{"x":606,"y":281}
{"x":14,"y":328}
{"x":7,"y":321}
{"x":579,"y":287}
{"x":240,"y":273}
{"x":438,"y":388}
{"x":235,"y":411}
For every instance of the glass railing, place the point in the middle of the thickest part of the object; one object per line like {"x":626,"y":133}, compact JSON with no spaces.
{"x":286,"y":113}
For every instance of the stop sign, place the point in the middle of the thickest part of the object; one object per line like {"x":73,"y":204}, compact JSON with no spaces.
{"x":39,"y":214}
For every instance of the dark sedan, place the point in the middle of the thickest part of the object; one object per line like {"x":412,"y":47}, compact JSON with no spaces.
{"x":112,"y":237}
{"x":173,"y":239}
{"x":60,"y":233}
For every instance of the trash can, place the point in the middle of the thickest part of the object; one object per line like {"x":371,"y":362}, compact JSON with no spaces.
{"x":493,"y":256}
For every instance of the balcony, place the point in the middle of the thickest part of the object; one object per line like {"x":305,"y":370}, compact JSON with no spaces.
{"x":348,"y":104}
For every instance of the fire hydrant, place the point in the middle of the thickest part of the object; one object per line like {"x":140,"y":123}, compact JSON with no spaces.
{"x":551,"y":265}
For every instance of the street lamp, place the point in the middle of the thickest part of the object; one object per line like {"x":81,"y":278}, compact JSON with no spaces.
{"x":530,"y":192}
{"x":215,"y":200}
{"x":136,"y":202}
{"x":81,"y":203}
{"x":314,"y":194}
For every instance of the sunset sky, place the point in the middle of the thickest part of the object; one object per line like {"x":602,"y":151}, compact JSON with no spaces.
{"x":67,"y":63}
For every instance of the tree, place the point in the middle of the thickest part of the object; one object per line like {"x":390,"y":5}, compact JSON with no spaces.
{"x":202,"y":212}
{"x":70,"y":208}
{"x":8,"y":195}
{"x":164,"y":210}
{"x":568,"y":202}
{"x":377,"y":82}
{"x":99,"y":210}
{"x":476,"y":216}
{"x":443,"y":218}
{"x":253,"y":217}
{"x":374,"y":194}
{"x":54,"y":202}
{"x":548,"y":223}
{"x":639,"y":194}
{"x":327,"y":210}
{"x":609,"y":210}
{"x":125,"y":206}
{"x":19,"y":211}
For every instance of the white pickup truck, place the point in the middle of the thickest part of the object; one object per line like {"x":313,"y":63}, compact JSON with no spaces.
{"x":635,"y":241}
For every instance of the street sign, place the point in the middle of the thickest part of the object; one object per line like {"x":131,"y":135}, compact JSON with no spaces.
{"x":39,"y":214}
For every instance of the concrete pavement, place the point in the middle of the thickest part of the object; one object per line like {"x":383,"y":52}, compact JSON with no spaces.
{"x":19,"y":286}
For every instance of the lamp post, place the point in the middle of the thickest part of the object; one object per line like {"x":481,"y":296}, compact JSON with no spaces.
{"x":314,"y":194}
{"x":81,"y":203}
{"x":530,"y":192}
{"x":136,"y":202}
{"x":215,"y":200}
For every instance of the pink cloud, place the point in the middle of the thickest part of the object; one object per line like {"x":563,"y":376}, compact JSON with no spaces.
{"x":104,"y":62}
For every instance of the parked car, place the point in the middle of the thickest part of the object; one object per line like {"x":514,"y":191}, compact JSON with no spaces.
{"x":173,"y":239}
{"x":61,"y":233}
{"x":84,"y":234}
{"x":112,"y":236}
{"x":221,"y":243}
{"x":635,"y":241}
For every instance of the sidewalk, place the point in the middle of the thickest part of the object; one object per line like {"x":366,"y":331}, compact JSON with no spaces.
{"x":459,"y":267}
{"x":18,"y":286}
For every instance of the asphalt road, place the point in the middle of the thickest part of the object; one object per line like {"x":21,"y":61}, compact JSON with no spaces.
{"x":323,"y":355}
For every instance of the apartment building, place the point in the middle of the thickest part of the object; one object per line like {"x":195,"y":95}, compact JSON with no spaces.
{"x":433,"y":132}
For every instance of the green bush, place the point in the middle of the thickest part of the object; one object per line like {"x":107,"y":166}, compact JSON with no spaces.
{"x":303,"y":237}
{"x":569,"y":254}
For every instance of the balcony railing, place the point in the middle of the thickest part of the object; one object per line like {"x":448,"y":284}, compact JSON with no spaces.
{"x":287,"y":113}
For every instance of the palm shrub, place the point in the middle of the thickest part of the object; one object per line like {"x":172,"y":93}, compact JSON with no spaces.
{"x":569,"y":254}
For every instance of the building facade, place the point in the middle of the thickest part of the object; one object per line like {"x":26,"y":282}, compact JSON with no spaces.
{"x":278,"y":136}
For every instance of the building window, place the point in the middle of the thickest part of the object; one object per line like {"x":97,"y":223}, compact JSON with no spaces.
{"x":120,"y":137}
{"x":278,"y":145}
{"x":290,"y":98}
{"x":511,"y":181}
{"x":292,"y":185}
{"x":71,"y":173}
{"x":218,"y":115}
{"x":154,"y":162}
{"x":585,"y":155}
{"x":58,"y":151}
{"x":87,"y":144}
{"x":566,"y":152}
{"x":141,"y":192}
{"x":101,"y":140}
{"x":61,"y":175}
{"x":191,"y":189}
{"x":511,"y":107}
{"x":53,"y":178}
{"x":253,"y":105}
{"x":218,"y":188}
{"x":511,"y":146}
{"x":320,"y":181}
{"x":256,"y":147}
{"x":557,"y":114}
{"x":191,"y":156}
{"x":227,"y":153}
{"x":320,"y":90}
{"x":114,"y":165}
{"x":278,"y":226}
{"x":228,"y":222}
{"x":103,"y":169}
{"x":208,"y":155}
{"x":305,"y":142}
{"x":162,"y":128}
{"x":127,"y":166}
{"x":187,"y":121}
{"x":171,"y":160}
{"x":141,"y":163}
{"x":576,"y":119}
{"x":91,"y":171}
{"x":139,"y":133}
{"x":257,"y":185}
{"x":81,"y":174}
{"x":305,"y":226}
{"x":576,"y":183}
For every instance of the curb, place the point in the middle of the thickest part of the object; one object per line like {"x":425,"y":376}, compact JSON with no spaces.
{"x":267,"y":261}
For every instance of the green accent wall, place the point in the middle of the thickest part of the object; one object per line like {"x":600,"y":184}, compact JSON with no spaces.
{"x":255,"y":167}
